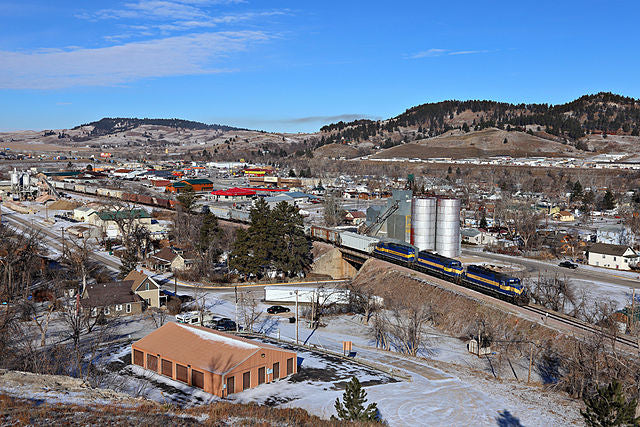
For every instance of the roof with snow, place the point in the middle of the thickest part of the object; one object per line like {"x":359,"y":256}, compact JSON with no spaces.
{"x":201,"y":347}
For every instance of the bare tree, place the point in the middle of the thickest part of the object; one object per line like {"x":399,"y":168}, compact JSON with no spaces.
{"x":249,"y":308}
{"x":333,"y":212}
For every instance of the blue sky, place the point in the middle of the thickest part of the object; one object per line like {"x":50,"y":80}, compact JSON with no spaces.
{"x":295,"y":65}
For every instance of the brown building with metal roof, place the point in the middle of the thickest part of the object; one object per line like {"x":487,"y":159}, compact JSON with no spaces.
{"x":213,"y":361}
{"x":112,"y":299}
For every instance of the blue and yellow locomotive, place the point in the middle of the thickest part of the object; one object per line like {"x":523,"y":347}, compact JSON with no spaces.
{"x":496,"y":282}
{"x":404,"y":253}
{"x":439,"y":265}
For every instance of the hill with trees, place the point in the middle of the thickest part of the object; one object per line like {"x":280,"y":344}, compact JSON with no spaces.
{"x":602,"y":113}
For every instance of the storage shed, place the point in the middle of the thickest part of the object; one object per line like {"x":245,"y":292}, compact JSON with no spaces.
{"x":213,"y":361}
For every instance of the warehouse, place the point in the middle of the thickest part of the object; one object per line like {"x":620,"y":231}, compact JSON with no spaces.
{"x":216,"y":362}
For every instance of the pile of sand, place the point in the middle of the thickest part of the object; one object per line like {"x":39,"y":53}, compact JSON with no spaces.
{"x":63,"y":205}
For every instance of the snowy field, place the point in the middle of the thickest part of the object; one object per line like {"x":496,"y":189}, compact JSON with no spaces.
{"x":449,"y":387}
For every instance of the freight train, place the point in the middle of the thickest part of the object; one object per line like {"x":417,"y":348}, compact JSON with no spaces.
{"x":476,"y":277}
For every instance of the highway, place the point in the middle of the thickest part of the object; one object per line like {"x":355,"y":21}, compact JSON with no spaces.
{"x":533,"y":267}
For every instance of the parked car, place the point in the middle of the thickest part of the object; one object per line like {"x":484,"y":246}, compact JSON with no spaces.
{"x":227,"y":325}
{"x":275,"y":309}
{"x":568,"y":264}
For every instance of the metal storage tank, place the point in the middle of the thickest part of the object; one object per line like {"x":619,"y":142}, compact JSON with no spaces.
{"x":423,"y":223}
{"x":25,"y":180}
{"x":448,"y":227}
{"x":15,"y":178}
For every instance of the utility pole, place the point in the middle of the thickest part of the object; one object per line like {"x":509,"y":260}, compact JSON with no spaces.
{"x":296,"y":316}
{"x":235,"y":290}
{"x":633,"y":306}
{"x":530,"y":361}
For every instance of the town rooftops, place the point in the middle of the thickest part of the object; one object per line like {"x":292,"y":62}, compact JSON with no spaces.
{"x":198,"y":181}
{"x":234,"y":192}
{"x":614,"y":250}
{"x":136,"y":278}
{"x":204,"y":348}
{"x":106,"y":294}
{"x":165,"y":254}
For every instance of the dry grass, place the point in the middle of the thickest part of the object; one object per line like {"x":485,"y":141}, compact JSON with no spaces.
{"x":14,"y":411}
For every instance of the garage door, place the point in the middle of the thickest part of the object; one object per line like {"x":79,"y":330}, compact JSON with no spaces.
{"x":182,"y":373}
{"x":167,"y":368}
{"x":290,"y":366}
{"x":152,"y":362}
{"x":276,"y":371}
{"x":197,"y":379}
{"x":138,"y":358}
{"x":261,"y":375}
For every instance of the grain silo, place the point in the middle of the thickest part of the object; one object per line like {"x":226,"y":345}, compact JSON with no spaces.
{"x":423,"y":223}
{"x":448,"y":227}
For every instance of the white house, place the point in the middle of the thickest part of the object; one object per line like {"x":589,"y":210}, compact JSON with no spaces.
{"x":614,"y":234}
{"x":474,"y":236}
{"x":620,"y":257}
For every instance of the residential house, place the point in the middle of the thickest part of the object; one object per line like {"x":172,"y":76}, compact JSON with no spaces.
{"x":165,"y":260}
{"x":620,"y":257}
{"x":82,"y":213}
{"x":112,"y":299}
{"x":615,"y":234}
{"x":108,"y":221}
{"x":564,"y":216}
{"x":474,"y":236}
{"x":146,"y":288}
{"x":355,"y":217}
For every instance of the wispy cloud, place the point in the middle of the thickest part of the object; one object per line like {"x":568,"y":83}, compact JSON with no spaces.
{"x":430,"y":53}
{"x":172,"y":56}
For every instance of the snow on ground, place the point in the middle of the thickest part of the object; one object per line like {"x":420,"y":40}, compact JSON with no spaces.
{"x":452,"y":387}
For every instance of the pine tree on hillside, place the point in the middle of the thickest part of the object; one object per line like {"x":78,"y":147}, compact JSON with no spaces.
{"x":352,"y":406}
{"x":187,"y":198}
{"x":608,"y":407}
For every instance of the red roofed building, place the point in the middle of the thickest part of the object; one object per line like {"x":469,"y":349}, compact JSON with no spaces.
{"x":233,"y":194}
{"x":216,"y":362}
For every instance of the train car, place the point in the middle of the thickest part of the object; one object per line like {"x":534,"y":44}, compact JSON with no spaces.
{"x":163,"y":203}
{"x":68,"y":186}
{"x":81,"y":188}
{"x":326,"y":234}
{"x":239,"y":215}
{"x":499,"y":283}
{"x":57,"y":184}
{"x":147,"y":200}
{"x":116,"y":193}
{"x":402,"y":252}
{"x":439,"y":265}
{"x":358,"y":242}
{"x":91,"y":190}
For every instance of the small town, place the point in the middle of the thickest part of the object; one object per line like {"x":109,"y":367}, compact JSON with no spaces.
{"x":226,"y":213}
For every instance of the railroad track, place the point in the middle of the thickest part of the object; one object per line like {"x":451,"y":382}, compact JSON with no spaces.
{"x":571,"y":321}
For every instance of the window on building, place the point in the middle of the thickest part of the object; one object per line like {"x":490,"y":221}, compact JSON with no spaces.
{"x":118,"y":307}
{"x":128,"y":308}
{"x":246,"y":380}
{"x":231,"y":385}
{"x":614,"y":258}
{"x":106,"y":310}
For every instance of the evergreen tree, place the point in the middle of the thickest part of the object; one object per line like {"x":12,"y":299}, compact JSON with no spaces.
{"x":292,"y":253}
{"x":209,"y":231}
{"x":465,"y":127}
{"x":187,"y":198}
{"x":608,"y":407}
{"x":292,"y":173}
{"x":608,"y":202}
{"x":352,"y":406}
{"x":576,"y":192}
{"x":483,"y":222}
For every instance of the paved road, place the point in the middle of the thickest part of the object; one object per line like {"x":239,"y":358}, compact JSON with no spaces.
{"x":51,"y":239}
{"x":534,"y":267}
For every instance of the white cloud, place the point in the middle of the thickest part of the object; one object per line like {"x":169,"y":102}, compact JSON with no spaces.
{"x":430,"y":53}
{"x":172,"y":56}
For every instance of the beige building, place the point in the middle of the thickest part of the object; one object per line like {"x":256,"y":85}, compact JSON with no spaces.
{"x":146,"y":288}
{"x":108,"y":221}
